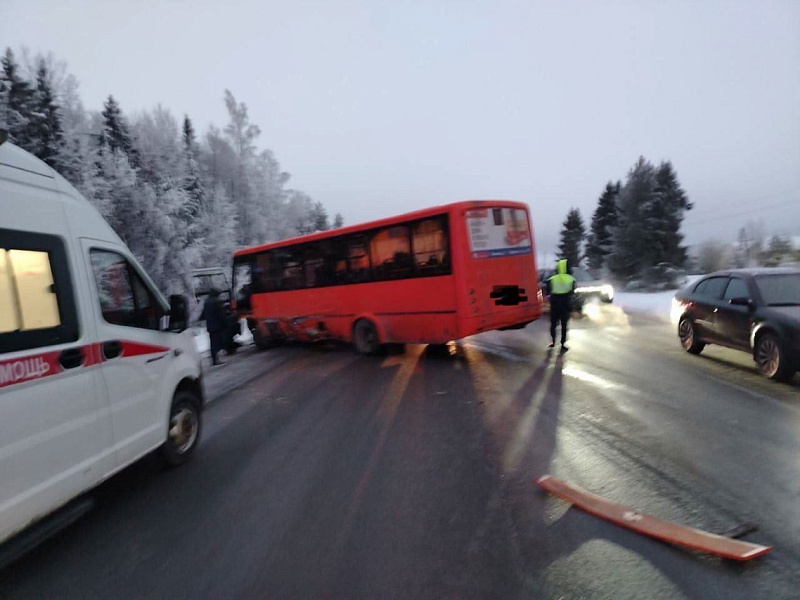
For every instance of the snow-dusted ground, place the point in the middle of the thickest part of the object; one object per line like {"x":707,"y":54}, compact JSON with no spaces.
{"x":657,"y":304}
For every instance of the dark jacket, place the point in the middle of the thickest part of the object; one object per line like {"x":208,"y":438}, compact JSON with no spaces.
{"x":213,"y":315}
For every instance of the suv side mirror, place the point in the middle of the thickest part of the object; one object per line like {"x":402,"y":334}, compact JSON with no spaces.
{"x":741,"y":301}
{"x":178,"y":313}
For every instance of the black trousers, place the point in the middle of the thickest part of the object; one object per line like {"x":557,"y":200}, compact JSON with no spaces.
{"x":217,"y":342}
{"x":559,"y":314}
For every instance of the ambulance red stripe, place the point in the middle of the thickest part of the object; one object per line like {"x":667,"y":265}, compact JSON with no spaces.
{"x":46,"y":364}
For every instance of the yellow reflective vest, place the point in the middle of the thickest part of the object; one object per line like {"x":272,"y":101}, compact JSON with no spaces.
{"x":562,"y":282}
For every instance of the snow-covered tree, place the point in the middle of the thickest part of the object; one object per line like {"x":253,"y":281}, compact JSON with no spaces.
{"x":178,"y":202}
{"x":45,"y":130}
{"x":604,"y":219}
{"x":572,"y":234}
{"x":300,"y":213}
{"x":192,"y":179}
{"x":218,"y":216}
{"x":320,"y":217}
{"x":16,"y":98}
{"x":666,"y":216}
{"x":633,"y":247}
{"x":115,"y":130}
{"x":338,"y":221}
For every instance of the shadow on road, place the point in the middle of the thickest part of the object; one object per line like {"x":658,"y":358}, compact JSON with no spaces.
{"x":555,"y":540}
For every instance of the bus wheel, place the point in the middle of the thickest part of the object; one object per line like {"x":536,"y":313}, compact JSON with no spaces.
{"x":263,"y":341}
{"x":365,"y":337}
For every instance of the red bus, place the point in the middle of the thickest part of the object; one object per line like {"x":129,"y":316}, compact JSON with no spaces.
{"x":429,"y":276}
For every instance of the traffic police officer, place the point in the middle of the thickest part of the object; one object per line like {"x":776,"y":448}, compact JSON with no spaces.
{"x":560,"y":289}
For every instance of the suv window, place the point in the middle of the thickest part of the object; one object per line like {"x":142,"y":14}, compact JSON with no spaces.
{"x":737,"y":288}
{"x":36,"y":303}
{"x":125,"y":298}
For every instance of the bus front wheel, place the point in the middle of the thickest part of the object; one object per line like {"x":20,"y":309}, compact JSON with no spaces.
{"x":365,"y":337}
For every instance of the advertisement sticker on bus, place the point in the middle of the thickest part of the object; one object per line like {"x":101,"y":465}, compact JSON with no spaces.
{"x":498,"y":232}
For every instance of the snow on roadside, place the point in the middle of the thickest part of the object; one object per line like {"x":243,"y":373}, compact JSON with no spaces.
{"x":657,"y":304}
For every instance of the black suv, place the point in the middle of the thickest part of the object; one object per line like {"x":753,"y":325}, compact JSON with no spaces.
{"x":755,"y":310}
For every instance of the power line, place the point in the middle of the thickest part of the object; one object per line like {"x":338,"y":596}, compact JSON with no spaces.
{"x":724,"y":216}
{"x":746,"y":201}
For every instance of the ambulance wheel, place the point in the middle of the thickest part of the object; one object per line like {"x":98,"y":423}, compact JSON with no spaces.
{"x":183,"y":429}
{"x":365,"y":337}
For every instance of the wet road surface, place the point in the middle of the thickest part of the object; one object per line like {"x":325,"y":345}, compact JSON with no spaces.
{"x":322,"y":474}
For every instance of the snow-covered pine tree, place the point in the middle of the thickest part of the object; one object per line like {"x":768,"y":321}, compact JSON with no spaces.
{"x":573,"y":233}
{"x":669,"y":205}
{"x":633,"y":246}
{"x":70,"y":161}
{"x":192,"y":180}
{"x":241,"y":134}
{"x":604,"y":219}
{"x":46,"y":132}
{"x":218,"y":216}
{"x":300,"y":213}
{"x":338,"y":221}
{"x":16,"y":97}
{"x":320,"y":217}
{"x":115,"y":130}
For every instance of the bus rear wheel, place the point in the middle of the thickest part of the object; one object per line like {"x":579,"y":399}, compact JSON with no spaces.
{"x":365,"y":337}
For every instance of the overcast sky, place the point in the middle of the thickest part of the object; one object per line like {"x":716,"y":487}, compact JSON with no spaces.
{"x":377,"y":107}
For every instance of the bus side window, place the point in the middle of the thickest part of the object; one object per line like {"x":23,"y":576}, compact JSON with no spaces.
{"x":358,"y":263}
{"x":430,"y":247}
{"x":390,"y":250}
{"x":287,"y":271}
{"x":336,"y":262}
{"x":314,"y":265}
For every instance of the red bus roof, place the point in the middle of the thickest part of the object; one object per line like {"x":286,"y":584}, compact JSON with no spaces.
{"x":417,"y":214}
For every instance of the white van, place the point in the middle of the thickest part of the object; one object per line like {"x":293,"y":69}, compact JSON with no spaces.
{"x":96,"y":369}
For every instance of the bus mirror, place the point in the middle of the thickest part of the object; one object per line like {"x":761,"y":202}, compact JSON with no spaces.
{"x":178,"y":313}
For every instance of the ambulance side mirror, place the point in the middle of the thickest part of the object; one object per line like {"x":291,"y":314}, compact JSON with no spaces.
{"x":178,"y":313}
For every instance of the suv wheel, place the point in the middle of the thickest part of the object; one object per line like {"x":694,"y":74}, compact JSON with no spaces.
{"x":688,"y":337}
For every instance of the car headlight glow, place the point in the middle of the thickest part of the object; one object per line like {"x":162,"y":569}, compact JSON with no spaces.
{"x":604,"y":290}
{"x":676,"y":311}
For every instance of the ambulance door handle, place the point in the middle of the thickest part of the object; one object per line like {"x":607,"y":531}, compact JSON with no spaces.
{"x":112,"y":349}
{"x":71,"y":358}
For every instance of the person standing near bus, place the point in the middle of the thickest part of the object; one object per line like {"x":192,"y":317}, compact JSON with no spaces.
{"x":215,"y":325}
{"x":560,"y":290}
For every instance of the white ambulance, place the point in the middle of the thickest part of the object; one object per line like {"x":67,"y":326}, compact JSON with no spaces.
{"x":96,"y":369}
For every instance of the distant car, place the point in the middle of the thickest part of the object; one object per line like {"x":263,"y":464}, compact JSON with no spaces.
{"x":588,"y":287}
{"x":754,"y":310}
{"x":206,"y":279}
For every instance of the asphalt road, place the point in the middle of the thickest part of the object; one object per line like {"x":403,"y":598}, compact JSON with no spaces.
{"x":327,"y":475}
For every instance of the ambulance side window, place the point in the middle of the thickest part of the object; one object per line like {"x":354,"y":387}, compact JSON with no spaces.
{"x":124,"y":298}
{"x":37,"y":306}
